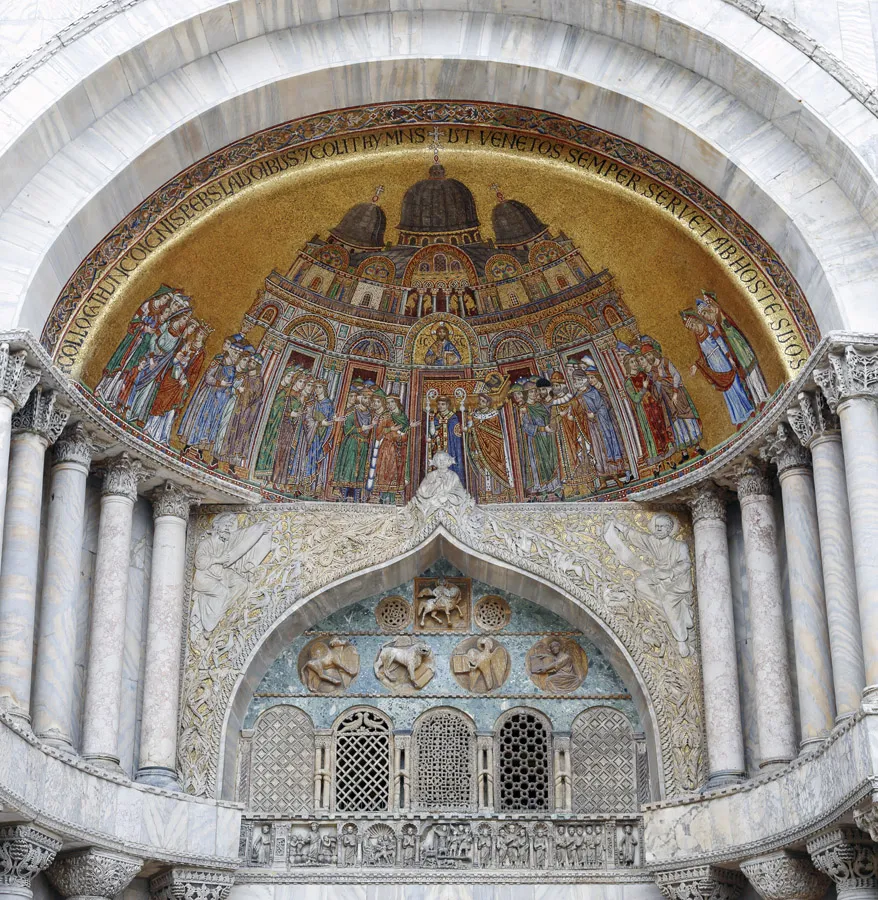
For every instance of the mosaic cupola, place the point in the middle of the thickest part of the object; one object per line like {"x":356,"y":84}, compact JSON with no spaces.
{"x":362,"y":227}
{"x":438,"y":209}
{"x":515,"y":223}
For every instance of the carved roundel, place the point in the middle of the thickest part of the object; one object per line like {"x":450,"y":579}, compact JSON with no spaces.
{"x":327,"y":665}
{"x":405,"y":665}
{"x":480,"y":664}
{"x":492,"y":613}
{"x":557,"y":665}
{"x":393,"y":614}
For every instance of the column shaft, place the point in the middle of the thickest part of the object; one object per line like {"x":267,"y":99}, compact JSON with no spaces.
{"x":56,"y":642}
{"x":6,"y":410}
{"x":839,"y":576}
{"x":722,"y":705}
{"x":161,"y":688}
{"x":774,"y":702}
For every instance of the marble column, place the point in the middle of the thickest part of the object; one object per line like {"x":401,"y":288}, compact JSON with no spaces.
{"x":785,"y":876}
{"x":850,"y":383}
{"x":103,"y":695}
{"x":34,"y":427}
{"x":17,"y":380}
{"x":700,"y":883}
{"x":774,"y":701}
{"x":722,"y":703}
{"x":92,"y":874}
{"x":161,"y":686}
{"x":818,"y":429}
{"x":810,"y":628}
{"x":53,"y":699}
{"x":848,"y":857}
{"x":182,"y":883}
{"x":25,"y":851}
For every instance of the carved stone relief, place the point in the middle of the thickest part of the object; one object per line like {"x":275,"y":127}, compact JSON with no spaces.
{"x":492,"y":613}
{"x":557,"y":665}
{"x":405,"y":665}
{"x":328,"y":665}
{"x":442,"y":605}
{"x":480,"y":664}
{"x":393,"y":614}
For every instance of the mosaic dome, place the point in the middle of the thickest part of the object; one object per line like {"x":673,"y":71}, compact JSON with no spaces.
{"x":362,"y":226}
{"x":437,"y":205}
{"x":515,"y":223}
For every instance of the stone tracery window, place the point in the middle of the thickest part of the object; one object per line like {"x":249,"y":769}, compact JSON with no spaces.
{"x":282,"y":761}
{"x":603,"y":757}
{"x":444,"y":742}
{"x":523,"y":761}
{"x":362,"y":762}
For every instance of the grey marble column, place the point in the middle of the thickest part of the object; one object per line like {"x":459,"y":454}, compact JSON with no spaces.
{"x":103,"y":695}
{"x":848,"y":857}
{"x":810,"y":628}
{"x":722,"y":703}
{"x":850,"y":385}
{"x":774,"y":701}
{"x":92,"y":874}
{"x":25,"y":851}
{"x":17,"y":380}
{"x":818,"y":429}
{"x":34,"y":427}
{"x":161,"y":686}
{"x":53,"y":699}
{"x":785,"y":876}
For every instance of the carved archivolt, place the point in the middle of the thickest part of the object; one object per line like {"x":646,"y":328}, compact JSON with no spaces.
{"x":314,"y":545}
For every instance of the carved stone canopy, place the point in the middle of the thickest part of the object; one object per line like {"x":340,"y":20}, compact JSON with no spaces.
{"x":25,"y":851}
{"x":183,"y":883}
{"x":700,"y":883}
{"x":785,"y":876}
{"x":92,"y":874}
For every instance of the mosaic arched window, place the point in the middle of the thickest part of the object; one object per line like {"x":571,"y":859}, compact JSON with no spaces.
{"x":603,"y":762}
{"x":362,"y":761}
{"x":523,"y":762}
{"x":282,"y":762}
{"x":512,"y":346}
{"x":311,"y":332}
{"x":444,"y":762}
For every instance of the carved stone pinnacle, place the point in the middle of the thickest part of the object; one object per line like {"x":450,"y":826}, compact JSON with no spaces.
{"x":785,"y":876}
{"x":25,"y":851}
{"x":41,"y":416}
{"x":92,"y":874}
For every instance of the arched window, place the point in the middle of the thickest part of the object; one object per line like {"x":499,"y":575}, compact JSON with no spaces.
{"x":362,"y":761}
{"x":315,"y":284}
{"x":444,"y":763}
{"x":603,"y":762}
{"x":523,"y":762}
{"x":282,"y":762}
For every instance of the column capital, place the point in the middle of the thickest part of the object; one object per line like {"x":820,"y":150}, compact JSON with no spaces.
{"x":848,"y":374}
{"x":812,"y":418}
{"x":17,"y":379}
{"x":700,"y":883}
{"x":785,"y":450}
{"x":170,"y":500}
{"x":92,"y":874}
{"x":751,"y":479}
{"x":40,"y":415}
{"x":74,"y":446}
{"x":866,"y":817}
{"x":785,"y":876}
{"x":191,"y":884}
{"x":706,"y":501}
{"x":25,"y":851}
{"x":847,"y":856}
{"x":121,"y":475}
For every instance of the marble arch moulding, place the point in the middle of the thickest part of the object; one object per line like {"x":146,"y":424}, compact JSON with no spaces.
{"x":314,"y":559}
{"x":563,"y":74}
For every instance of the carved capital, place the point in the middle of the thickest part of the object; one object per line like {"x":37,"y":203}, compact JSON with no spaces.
{"x":700,"y":883}
{"x":707,"y":501}
{"x":851,"y":374}
{"x":73,"y":446}
{"x":17,"y":379}
{"x":92,"y":874}
{"x":121,"y":475}
{"x":866,"y":817}
{"x":785,"y":876}
{"x":25,"y":851}
{"x":785,"y":450}
{"x":40,"y":415}
{"x":170,"y":500}
{"x":812,"y":418}
{"x":751,"y":480}
{"x":847,"y":856}
{"x":191,"y":884}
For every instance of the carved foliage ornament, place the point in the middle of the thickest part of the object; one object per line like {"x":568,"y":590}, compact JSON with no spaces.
{"x":93,"y":873}
{"x":847,"y":856}
{"x":752,"y":480}
{"x":73,"y":446}
{"x":700,"y":883}
{"x":121,"y":476}
{"x":707,"y":502}
{"x":40,"y":415}
{"x":170,"y":500}
{"x":851,"y":374}
{"x":25,"y":851}
{"x":785,"y":450}
{"x":191,"y":884}
{"x":785,"y":876}
{"x":17,"y":379}
{"x":812,"y":418}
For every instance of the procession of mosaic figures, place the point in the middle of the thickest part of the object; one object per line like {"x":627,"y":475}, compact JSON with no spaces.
{"x":366,"y":356}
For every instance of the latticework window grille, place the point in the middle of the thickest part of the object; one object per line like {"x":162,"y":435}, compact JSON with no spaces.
{"x":362,"y":763}
{"x":282,"y":762}
{"x":604,"y":771}
{"x":523,"y":756}
{"x":444,"y":761}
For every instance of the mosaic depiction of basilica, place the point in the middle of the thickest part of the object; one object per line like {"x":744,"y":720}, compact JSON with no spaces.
{"x":368,"y":356}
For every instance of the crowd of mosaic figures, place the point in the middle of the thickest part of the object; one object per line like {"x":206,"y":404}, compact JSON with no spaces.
{"x":446,"y":844}
{"x":592,"y":421}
